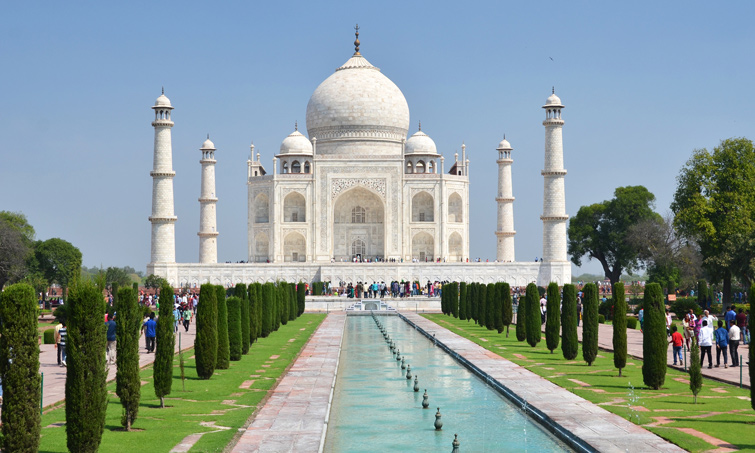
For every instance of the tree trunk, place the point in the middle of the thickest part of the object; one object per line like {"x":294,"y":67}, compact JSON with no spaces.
{"x":619,"y":372}
{"x":162,"y":402}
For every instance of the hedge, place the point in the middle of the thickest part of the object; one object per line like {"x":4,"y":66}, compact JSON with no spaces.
{"x":48,"y":337}
{"x":631,"y":322}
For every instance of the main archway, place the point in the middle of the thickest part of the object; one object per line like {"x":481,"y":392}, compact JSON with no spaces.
{"x":358,"y":226}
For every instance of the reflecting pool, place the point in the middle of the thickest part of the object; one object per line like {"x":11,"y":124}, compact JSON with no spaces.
{"x":375,"y":407}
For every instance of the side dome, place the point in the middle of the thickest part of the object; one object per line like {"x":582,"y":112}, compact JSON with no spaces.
{"x":357,"y":102}
{"x":296,"y":143}
{"x":420,"y":143}
{"x":553,"y":101}
{"x":504,"y":145}
{"x":208,"y":144}
{"x":162,"y":101}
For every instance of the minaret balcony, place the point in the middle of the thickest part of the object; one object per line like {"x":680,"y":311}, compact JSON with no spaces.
{"x":162,"y":123}
{"x":162,"y":173}
{"x":554,"y":218}
{"x":553,"y":172}
{"x":505,"y":199}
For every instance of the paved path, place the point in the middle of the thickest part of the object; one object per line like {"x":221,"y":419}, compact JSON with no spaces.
{"x":634,"y":348}
{"x":604,"y":431}
{"x":294,"y":418}
{"x":54,"y":386}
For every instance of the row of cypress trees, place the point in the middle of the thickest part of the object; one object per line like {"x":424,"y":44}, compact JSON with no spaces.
{"x":488,"y":305}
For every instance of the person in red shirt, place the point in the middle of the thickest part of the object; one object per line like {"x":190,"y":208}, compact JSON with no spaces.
{"x":676,"y":342}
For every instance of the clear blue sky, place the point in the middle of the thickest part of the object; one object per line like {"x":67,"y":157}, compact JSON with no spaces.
{"x":644,"y":84}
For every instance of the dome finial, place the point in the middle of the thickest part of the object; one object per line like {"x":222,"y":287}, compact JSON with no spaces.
{"x":420,"y":125}
{"x":553,"y":90}
{"x":162,"y":89}
{"x":208,"y":136}
{"x":504,"y":136}
{"x":296,"y":125}
{"x":356,"y":42}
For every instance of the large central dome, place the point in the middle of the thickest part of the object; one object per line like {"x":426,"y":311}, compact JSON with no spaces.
{"x":357,"y":103}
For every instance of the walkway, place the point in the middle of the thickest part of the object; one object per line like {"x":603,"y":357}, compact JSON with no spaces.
{"x":601,"y":429}
{"x":295,"y":416}
{"x":54,"y":385}
{"x":634,"y":349}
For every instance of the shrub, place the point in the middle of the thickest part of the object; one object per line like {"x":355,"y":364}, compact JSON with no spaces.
{"x":166,"y":344}
{"x":569,"y":342}
{"x":590,"y":323}
{"x":681,"y":307}
{"x":553,"y":315}
{"x":482,"y":306}
{"x":48,"y":337}
{"x":490,"y":305}
{"x":86,"y":394}
{"x":507,"y":308}
{"x":234,"y":327}
{"x":19,"y":367}
{"x":695,"y":371}
{"x":619,"y":328}
{"x":532,"y":316}
{"x":654,"y":346}
{"x":606,"y":309}
{"x":206,"y":340}
{"x":240,"y":291}
{"x":631,"y":322}
{"x":316,"y":288}
{"x":463,"y":301}
{"x":223,"y":360}
{"x":128,"y":384}
{"x":521,"y":316}
{"x":601,"y":319}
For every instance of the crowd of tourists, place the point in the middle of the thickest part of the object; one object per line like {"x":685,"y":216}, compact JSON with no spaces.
{"x":725,"y":334}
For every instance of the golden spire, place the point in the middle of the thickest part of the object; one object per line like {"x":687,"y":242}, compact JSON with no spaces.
{"x":356,"y":42}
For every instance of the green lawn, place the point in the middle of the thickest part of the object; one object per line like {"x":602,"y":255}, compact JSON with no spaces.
{"x":216,"y":406}
{"x":722,"y":411}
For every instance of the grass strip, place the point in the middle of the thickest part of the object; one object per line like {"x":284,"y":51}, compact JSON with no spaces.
{"x":723,"y":411}
{"x":217,"y":407}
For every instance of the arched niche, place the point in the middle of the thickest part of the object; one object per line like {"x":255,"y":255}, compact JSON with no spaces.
{"x":294,"y":248}
{"x":261,"y":209}
{"x":455,"y":247}
{"x":423,"y":207}
{"x":261,"y":247}
{"x":455,"y":208}
{"x":294,"y":208}
{"x":358,"y":214}
{"x":423,"y":246}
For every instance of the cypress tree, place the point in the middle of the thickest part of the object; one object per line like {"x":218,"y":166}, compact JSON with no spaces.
{"x":702,"y":293}
{"x":223,"y":360}
{"x":654,"y":345}
{"x":268,"y":301}
{"x":258,"y":307}
{"x":751,"y":327}
{"x":19,"y":368}
{"x":276,"y":309}
{"x":507,"y":307}
{"x":695,"y":371}
{"x":472,"y":301}
{"x":491,"y":307}
{"x":241,"y":292}
{"x":590,"y":323}
{"x":166,"y":344}
{"x":206,"y":340}
{"x":301,"y":294}
{"x":455,"y":299}
{"x":253,"y":323}
{"x":463,"y":301}
{"x":283,"y":302}
{"x":553,"y":317}
{"x":619,"y":327}
{"x":532,"y":307}
{"x":293,"y":309}
{"x":86,"y":394}
{"x":234,"y":328}
{"x":482,"y":306}
{"x":569,"y":341}
{"x":128,"y":383}
{"x":521,"y":319}
{"x":499,"y":307}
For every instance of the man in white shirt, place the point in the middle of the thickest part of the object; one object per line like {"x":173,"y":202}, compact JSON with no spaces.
{"x":734,"y":337}
{"x":543,"y":304}
{"x":705,"y":340}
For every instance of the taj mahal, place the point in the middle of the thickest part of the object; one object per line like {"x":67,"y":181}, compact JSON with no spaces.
{"x":358,"y":198}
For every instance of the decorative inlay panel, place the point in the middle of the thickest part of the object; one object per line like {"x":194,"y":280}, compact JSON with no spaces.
{"x":339,"y":185}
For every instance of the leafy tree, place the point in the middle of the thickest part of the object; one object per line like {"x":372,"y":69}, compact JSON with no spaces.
{"x":166,"y":344}
{"x":714,"y":205}
{"x":128,"y":383}
{"x":569,"y":317}
{"x":654,"y":346}
{"x":58,"y":260}
{"x":695,"y":371}
{"x":521,"y":322}
{"x":507,"y":308}
{"x":600,"y":230}
{"x":463,"y":301}
{"x":19,"y":368}
{"x":16,"y":245}
{"x":590,"y":323}
{"x":751,"y":326}
{"x":702,"y":293}
{"x":117,"y":275}
{"x":234,"y":327}
{"x":553,"y":317}
{"x":498,"y":318}
{"x":532,"y":307}
{"x":482,"y":304}
{"x":86,"y":393}
{"x":224,"y":353}
{"x":154,"y":281}
{"x":619,"y":327}
{"x":240,"y":291}
{"x":301,"y":294}
{"x":206,"y":340}
{"x":268,"y":307}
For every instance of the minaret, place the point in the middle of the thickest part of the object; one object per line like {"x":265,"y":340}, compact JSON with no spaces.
{"x":163,"y":218}
{"x":505,"y":232}
{"x":208,"y":232}
{"x":554,"y":205}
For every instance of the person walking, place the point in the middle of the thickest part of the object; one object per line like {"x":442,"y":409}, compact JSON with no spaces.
{"x":668,"y":323}
{"x":735,"y":334}
{"x":687,"y":329}
{"x":705,"y":340}
{"x":57,"y":342}
{"x":722,"y":344}
{"x":110,"y":326}
{"x":186,"y":319}
{"x":63,"y":336}
{"x":676,"y":344}
{"x":150,"y":332}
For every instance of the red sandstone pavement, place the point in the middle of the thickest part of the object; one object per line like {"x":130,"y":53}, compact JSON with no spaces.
{"x":294,"y":418}
{"x":54,"y":385}
{"x":634,"y":348}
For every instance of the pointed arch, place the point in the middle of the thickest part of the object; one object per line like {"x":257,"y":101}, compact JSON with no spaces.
{"x":423,"y":246}
{"x":294,"y":208}
{"x":455,"y":208}
{"x":455,"y":247}
{"x":261,"y":208}
{"x":423,"y":207}
{"x":294,"y":248}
